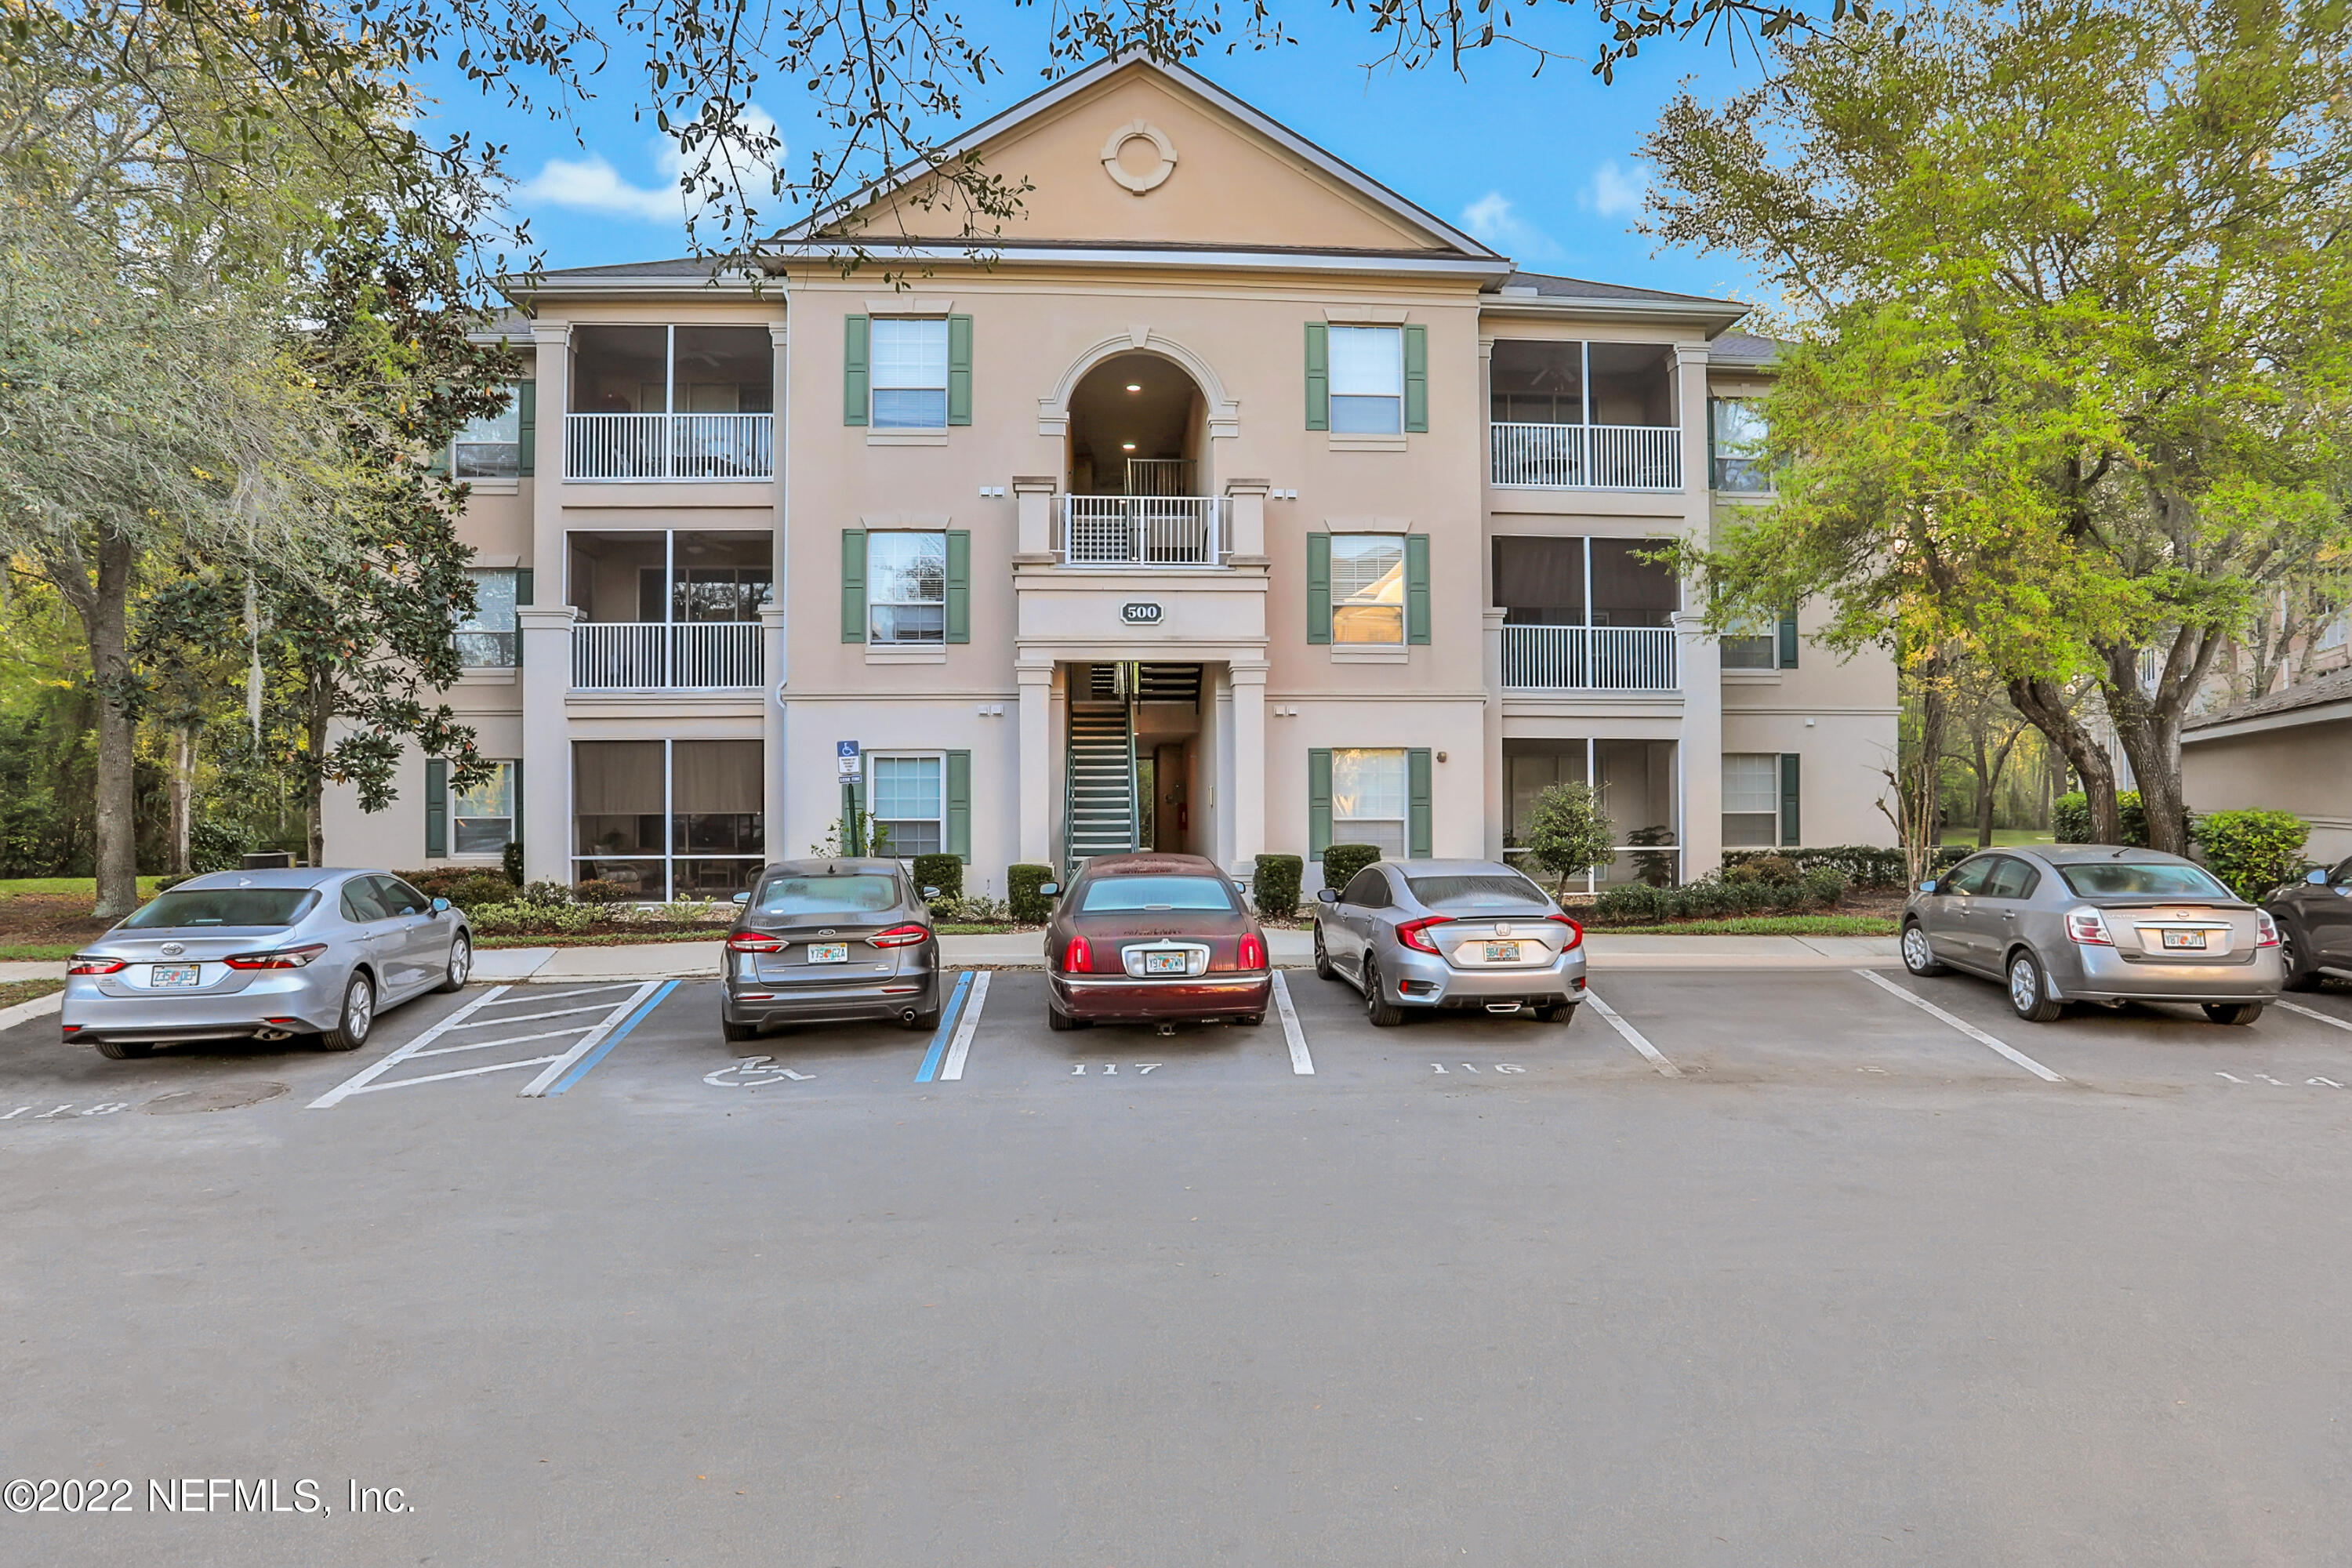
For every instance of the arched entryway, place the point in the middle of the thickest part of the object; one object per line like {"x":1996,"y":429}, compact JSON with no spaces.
{"x":1138,"y":426}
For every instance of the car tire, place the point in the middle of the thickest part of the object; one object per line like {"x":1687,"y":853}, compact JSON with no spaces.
{"x":2233,"y":1012}
{"x":2302,"y":975}
{"x":461,"y":966}
{"x":123,"y":1050}
{"x":735,"y":1033}
{"x":1323,"y":966}
{"x":923,"y":1023}
{"x":356,"y":1021}
{"x":1061,"y":1022}
{"x":1555,"y":1012}
{"x":1918,"y":957}
{"x":2029,"y":989}
{"x":1383,"y":1013}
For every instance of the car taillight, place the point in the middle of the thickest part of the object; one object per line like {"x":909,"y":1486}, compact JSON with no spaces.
{"x":1575,"y":932}
{"x":1079,"y":957}
{"x":284,"y":958}
{"x":900,"y":936}
{"x":754,"y":942}
{"x":2266,"y":929}
{"x":2088,"y":928}
{"x":1252,"y":954}
{"x":1415,"y":934}
{"x":83,"y":963}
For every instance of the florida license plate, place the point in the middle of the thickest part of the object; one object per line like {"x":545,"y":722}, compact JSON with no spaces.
{"x":166,"y":974}
{"x":1163,"y":963}
{"x":828,"y":953}
{"x":2194,"y":939}
{"x":1502,"y":952}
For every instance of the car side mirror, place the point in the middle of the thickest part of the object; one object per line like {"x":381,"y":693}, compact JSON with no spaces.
{"x":1928,"y":886}
{"x":1049,"y":889}
{"x":440,"y":906}
{"x":930,"y":892}
{"x":2316,"y":876}
{"x":1326,"y":895}
{"x":743,"y":898}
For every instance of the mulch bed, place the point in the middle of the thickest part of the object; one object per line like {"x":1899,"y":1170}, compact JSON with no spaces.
{"x":31,"y":918}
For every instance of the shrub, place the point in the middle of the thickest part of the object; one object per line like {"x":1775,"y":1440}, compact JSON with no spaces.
{"x":1030,"y":907}
{"x":2070,"y":818}
{"x":944,"y":872}
{"x":1863,"y":865}
{"x":2252,"y":851}
{"x":507,"y":920}
{"x":1718,"y":897}
{"x":510,"y":861}
{"x":604,"y":891}
{"x":1276,"y":885}
{"x":546,"y":893}
{"x":1775,"y":868}
{"x":467,"y":886}
{"x":1342,"y":861}
{"x":977,"y":909}
{"x":1567,"y":834}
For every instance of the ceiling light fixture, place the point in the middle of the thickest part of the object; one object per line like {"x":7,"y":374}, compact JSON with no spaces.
{"x":1135,"y":386}
{"x":1127,"y":446}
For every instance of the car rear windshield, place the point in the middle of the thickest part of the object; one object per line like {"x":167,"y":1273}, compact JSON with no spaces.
{"x":858,"y":893}
{"x":1112,"y":895}
{"x":2125,"y":879}
{"x":183,"y":908}
{"x":1477,"y":891}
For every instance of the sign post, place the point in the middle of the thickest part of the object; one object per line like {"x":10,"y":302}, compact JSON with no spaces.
{"x":852,"y":769}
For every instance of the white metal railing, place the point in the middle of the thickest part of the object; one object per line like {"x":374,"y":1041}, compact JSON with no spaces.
{"x":1159,"y":475}
{"x":1589,"y":658}
{"x":1143,"y":530}
{"x":654,"y":656}
{"x":1588,"y":456}
{"x":613,"y":446}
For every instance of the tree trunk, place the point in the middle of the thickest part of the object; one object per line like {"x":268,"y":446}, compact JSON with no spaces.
{"x":2147,"y":725}
{"x":105,"y":615}
{"x":2044,"y":707}
{"x":321,"y":714}
{"x":184,"y":787}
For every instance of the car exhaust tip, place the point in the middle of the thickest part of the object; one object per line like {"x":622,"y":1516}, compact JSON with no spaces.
{"x":270,"y":1036}
{"x":1166,"y":1028}
{"x":1502,"y":1006}
{"x":906,"y":1014}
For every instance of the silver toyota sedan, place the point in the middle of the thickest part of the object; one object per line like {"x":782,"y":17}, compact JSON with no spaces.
{"x":263,"y":955}
{"x":1434,"y":934}
{"x":2092,"y":922}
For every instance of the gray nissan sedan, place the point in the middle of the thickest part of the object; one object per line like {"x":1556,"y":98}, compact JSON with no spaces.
{"x":2092,"y":922}
{"x":263,"y":955}
{"x":1426,"y":934}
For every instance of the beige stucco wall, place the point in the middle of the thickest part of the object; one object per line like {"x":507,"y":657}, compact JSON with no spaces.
{"x":2305,"y":769}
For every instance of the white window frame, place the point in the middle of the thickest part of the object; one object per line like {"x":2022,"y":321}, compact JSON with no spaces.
{"x":1366,"y":350}
{"x":470,"y":435}
{"x":471,"y":624}
{"x":1359,"y":600}
{"x":1751,"y":629}
{"x":877,"y":385}
{"x":874,"y":601}
{"x":1403,"y":820}
{"x":1717,"y":456}
{"x":874,"y":796}
{"x":1771,"y":774}
{"x":671,"y":852}
{"x":506,"y":766}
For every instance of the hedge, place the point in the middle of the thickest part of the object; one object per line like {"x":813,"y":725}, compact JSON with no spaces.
{"x":944,"y":872}
{"x":2069,"y":819}
{"x":1862,"y":865}
{"x":467,"y":886}
{"x":1637,"y":903}
{"x":2252,"y":851}
{"x":1030,"y":907}
{"x":1342,"y":861}
{"x":1275,"y":885}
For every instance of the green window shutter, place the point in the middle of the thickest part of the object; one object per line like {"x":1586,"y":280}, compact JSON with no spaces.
{"x":959,"y":805}
{"x":1319,"y":587}
{"x":1416,"y":587}
{"x":958,"y":609}
{"x":1417,"y":788}
{"x":1789,"y":640}
{"x":525,"y":583}
{"x":436,"y":808}
{"x":1791,"y":832}
{"x":959,"y":370}
{"x":854,"y":373}
{"x":1417,"y":378}
{"x":1318,"y":376}
{"x":527,"y":427}
{"x":1318,"y":803}
{"x":852,"y":584}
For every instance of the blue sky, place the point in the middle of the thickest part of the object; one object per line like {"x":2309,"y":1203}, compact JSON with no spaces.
{"x":1543,"y":169}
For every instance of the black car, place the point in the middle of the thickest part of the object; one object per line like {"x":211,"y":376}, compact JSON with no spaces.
{"x":828,"y":942}
{"x":2314,"y":923}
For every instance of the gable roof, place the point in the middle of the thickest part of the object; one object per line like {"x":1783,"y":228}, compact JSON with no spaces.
{"x":2287,"y":706}
{"x":1547,"y":294}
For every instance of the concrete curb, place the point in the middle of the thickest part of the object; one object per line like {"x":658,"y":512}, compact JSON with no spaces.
{"x":25,"y":1012}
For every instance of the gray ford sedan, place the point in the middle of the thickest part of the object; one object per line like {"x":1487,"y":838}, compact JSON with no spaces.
{"x":831,"y":941}
{"x":2093,"y":922}
{"x":1427,"y":934}
{"x":263,"y":955}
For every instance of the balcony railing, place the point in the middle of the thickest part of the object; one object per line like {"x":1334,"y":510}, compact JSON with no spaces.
{"x":1588,"y":457}
{"x":1143,"y":530}
{"x":652,"y":655}
{"x":1589,"y":658}
{"x":607,"y":448}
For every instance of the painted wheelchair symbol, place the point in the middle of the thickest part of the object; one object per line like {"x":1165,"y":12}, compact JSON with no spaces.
{"x":753,"y":1072}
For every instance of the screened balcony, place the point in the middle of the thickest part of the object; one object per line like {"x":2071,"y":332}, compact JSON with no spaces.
{"x":1585,"y":615}
{"x":1577,"y":415}
{"x":669,"y":611}
{"x":668,"y":819}
{"x":670,"y":404}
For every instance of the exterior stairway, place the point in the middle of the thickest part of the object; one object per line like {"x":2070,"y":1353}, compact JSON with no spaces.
{"x":1101,"y":781}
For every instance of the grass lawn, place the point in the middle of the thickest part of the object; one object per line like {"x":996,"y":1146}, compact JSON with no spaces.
{"x":1764,"y":925}
{"x":15,"y":990}
{"x":37,"y":952}
{"x":2001,"y":836}
{"x":64,"y":887}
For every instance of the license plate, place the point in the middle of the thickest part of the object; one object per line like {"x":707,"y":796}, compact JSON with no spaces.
{"x":1163,"y":963}
{"x":2185,"y":939}
{"x":175,"y":975}
{"x":828,"y":953}
{"x":1502,"y":952}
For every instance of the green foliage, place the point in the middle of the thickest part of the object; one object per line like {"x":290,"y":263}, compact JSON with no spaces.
{"x":2070,"y":818}
{"x":1275,"y":885}
{"x":1566,"y":833}
{"x":547,"y":895}
{"x":944,"y":872}
{"x":510,"y":860}
{"x":1030,"y":907}
{"x":2252,"y":851}
{"x":1638,"y":903}
{"x":847,"y":837}
{"x":1774,"y":869}
{"x":467,"y":886}
{"x":604,"y":890}
{"x":504,"y":919}
{"x":1342,"y":861}
{"x":1862,"y":865}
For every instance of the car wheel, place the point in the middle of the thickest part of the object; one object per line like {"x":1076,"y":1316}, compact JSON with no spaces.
{"x":1323,"y":970}
{"x":737,"y":1033}
{"x":1917,"y":956}
{"x":123,"y":1050}
{"x":924,"y":1022}
{"x":1061,"y":1022}
{"x":2029,"y":992}
{"x":2233,"y":1012}
{"x":2302,"y":975}
{"x":1555,"y":1012}
{"x":1383,"y":1013}
{"x":461,"y":966}
{"x":357,"y":1019}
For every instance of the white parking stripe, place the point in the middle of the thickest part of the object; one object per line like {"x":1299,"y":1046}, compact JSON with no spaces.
{"x":952,"y":1067}
{"x":458,"y":1072}
{"x":469,"y":1016}
{"x":367,"y":1075}
{"x":1300,"y":1062}
{"x":536,"y":1088}
{"x":2310,"y":1013}
{"x":1633,"y":1035}
{"x":504,"y":1018}
{"x":487,"y":1044}
{"x":568,"y":995}
{"x":1962,"y":1024}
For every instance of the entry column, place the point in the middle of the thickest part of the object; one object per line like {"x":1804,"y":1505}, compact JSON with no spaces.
{"x":1037,"y":684}
{"x":1249,"y":764}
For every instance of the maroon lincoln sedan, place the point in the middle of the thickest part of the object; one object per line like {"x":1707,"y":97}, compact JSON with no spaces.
{"x":1154,"y":939}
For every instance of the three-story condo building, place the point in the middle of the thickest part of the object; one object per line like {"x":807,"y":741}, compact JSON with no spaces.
{"x":1232,"y":504}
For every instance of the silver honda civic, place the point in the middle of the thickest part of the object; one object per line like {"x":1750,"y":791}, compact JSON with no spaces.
{"x":263,"y":955}
{"x":1451,"y":934}
{"x":2092,"y":922}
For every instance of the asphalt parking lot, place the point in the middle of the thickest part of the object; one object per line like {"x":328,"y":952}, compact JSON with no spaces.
{"x":1770,"y":1267}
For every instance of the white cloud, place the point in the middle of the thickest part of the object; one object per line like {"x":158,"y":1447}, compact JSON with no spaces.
{"x":1615,"y":191}
{"x":1491,"y":219}
{"x":592,"y":184}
